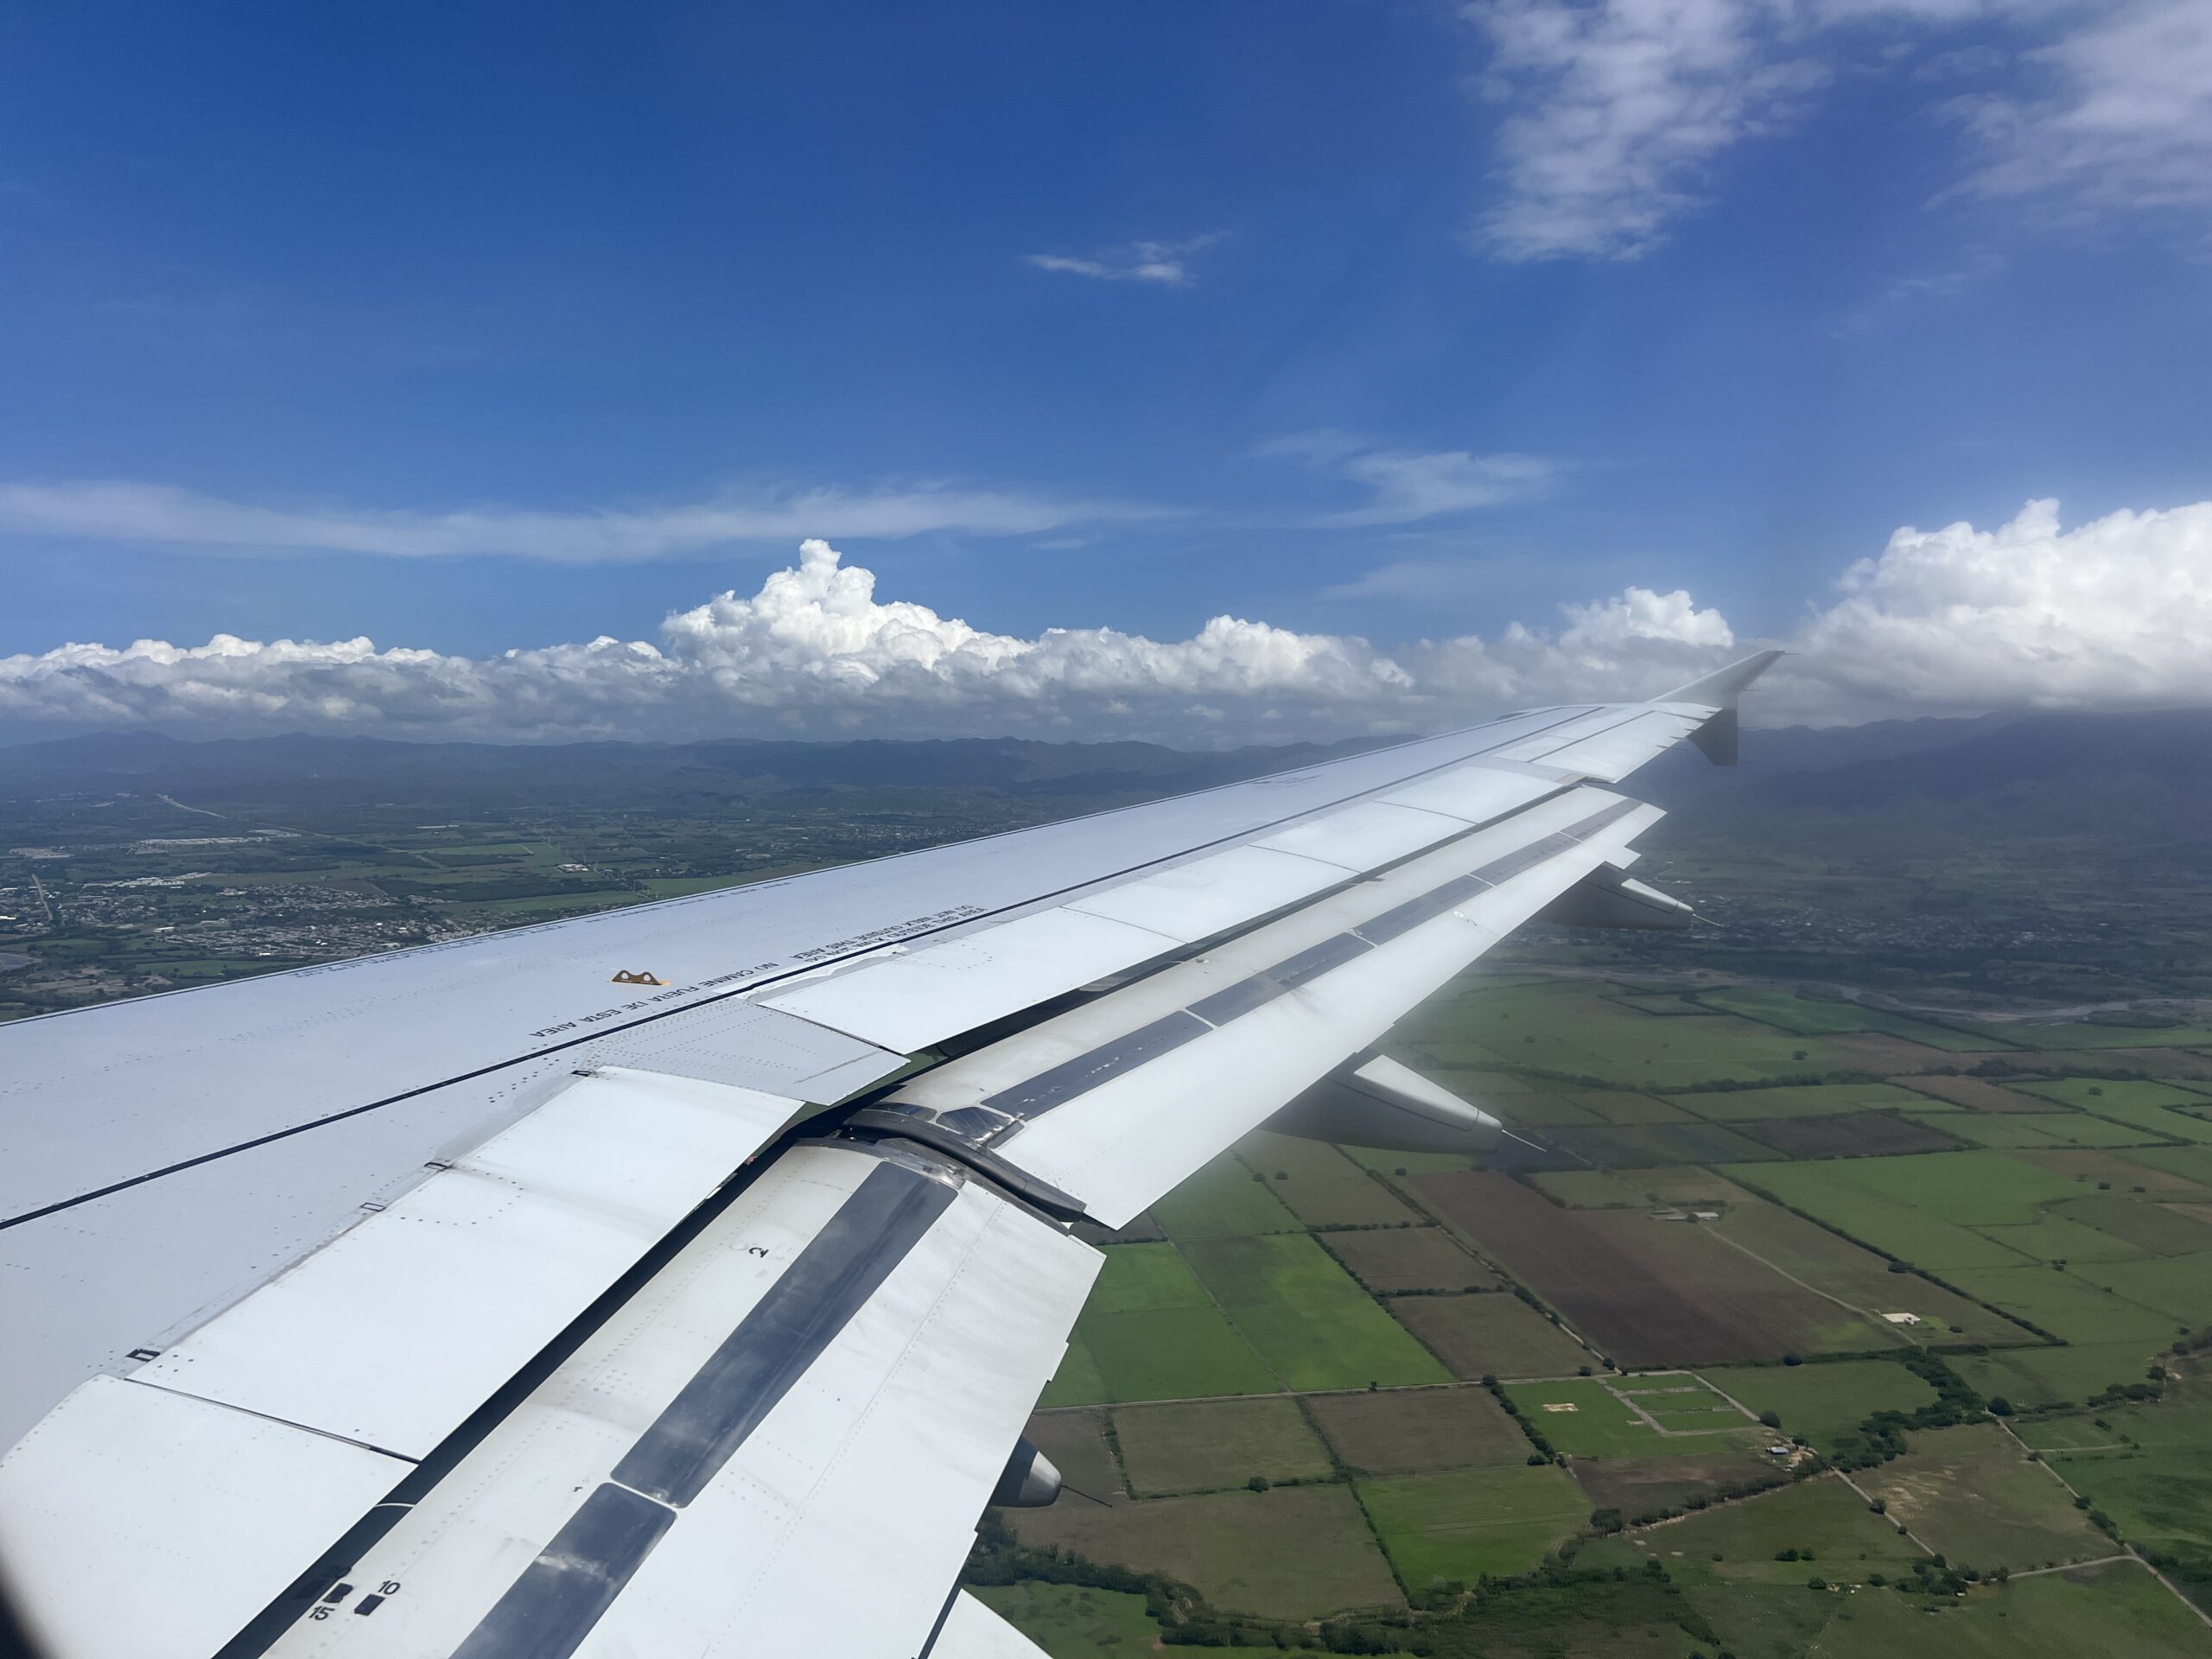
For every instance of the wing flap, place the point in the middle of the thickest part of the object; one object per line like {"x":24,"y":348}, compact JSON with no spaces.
{"x":826,"y":1380}
{"x":134,"y":1521}
{"x":400,"y":1328}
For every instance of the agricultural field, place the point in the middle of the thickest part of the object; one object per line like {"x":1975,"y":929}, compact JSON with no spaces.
{"x":1389,"y":1261}
{"x":1318,"y":1185}
{"x":1825,"y":1525}
{"x":2148,"y":1465}
{"x":1289,"y":1553}
{"x":1645,"y":1291}
{"x":1150,"y":1331}
{"x":1970,"y":1494}
{"x":1214,"y":1444}
{"x":1307,"y":1316}
{"x":1821,"y":1401}
{"x":2115,"y":1609}
{"x":1491,"y":1336}
{"x":1419,"y":1431}
{"x":1074,"y":1621}
{"x":1322,"y":1322}
{"x":1224,"y":1200}
{"x":1439,"y":1529}
{"x":1635,"y":1418}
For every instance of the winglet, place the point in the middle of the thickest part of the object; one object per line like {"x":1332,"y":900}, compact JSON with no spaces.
{"x":1720,"y":691}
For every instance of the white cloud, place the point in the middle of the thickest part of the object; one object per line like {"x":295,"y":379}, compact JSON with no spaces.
{"x":2126,"y":121}
{"x":124,"y":511}
{"x":1406,"y":484}
{"x":1618,"y":111}
{"x":2113,"y":613}
{"x":1164,"y":265}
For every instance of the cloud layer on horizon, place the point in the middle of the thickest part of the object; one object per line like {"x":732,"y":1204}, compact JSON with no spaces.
{"x":2110,"y":613}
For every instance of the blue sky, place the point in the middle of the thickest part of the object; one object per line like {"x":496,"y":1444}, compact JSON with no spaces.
{"x":1398,"y":322}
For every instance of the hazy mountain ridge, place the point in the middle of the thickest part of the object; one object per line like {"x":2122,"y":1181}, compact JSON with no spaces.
{"x":2062,"y":771}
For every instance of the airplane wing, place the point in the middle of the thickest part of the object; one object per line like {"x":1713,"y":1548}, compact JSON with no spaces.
{"x":677,"y":1281}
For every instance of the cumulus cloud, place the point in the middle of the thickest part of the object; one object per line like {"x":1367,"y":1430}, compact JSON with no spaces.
{"x":116,"y":511}
{"x":1404,"y":485}
{"x":1616,"y":112}
{"x":2112,"y":612}
{"x":1163,"y":264}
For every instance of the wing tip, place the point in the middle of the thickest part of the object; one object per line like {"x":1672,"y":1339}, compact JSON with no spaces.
{"x":1718,"y":738}
{"x":1723,"y":687}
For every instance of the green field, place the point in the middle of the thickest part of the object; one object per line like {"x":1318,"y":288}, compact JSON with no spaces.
{"x":1307,"y":1316}
{"x":1737,"y":1543}
{"x":1441,"y":1528}
{"x":1838,"y":1268}
{"x":1591,"y":1189}
{"x":1576,"y":1030}
{"x":1581,"y":1417}
{"x":2057,"y":1238}
{"x":1071,"y":1621}
{"x":1290,"y":1553}
{"x":1420,"y":1431}
{"x":2006,"y":1131}
{"x":1493,"y":1335}
{"x":2067,"y":1305}
{"x":2148,"y":1466}
{"x":2046,"y":1377}
{"x":1224,"y":1200}
{"x":1823,"y":1401}
{"x":1391,"y":1259}
{"x":2047,"y":1036}
{"x":1318,"y":1185}
{"x":1916,"y":1208}
{"x":1216,"y":1445}
{"x":2118,"y":1610}
{"x":1151,"y":1332}
{"x":1811,"y":1100}
{"x":2070,"y":1220}
{"x":1620,"y":1106}
{"x":1971,"y":1493}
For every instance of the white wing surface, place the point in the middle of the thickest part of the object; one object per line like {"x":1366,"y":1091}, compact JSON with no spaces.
{"x":463,"y":1301}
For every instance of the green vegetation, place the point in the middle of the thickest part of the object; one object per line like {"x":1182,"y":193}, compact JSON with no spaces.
{"x":1823,"y":1525}
{"x":1307,"y":1316}
{"x":1223,"y":1200}
{"x":1585,"y":1418}
{"x":1441,"y":1527}
{"x":1074,"y":1621}
{"x":1970,"y":1494}
{"x":1811,"y":1100}
{"x":1151,"y":1332}
{"x":2146,"y":1464}
{"x":1320,"y":1186}
{"x":1493,"y":1334}
{"x":2119,"y":1609}
{"x":1391,"y":1259}
{"x":1215,"y":1446}
{"x":1420,"y":1431}
{"x":1808,"y":1016}
{"x":1823,"y":1402}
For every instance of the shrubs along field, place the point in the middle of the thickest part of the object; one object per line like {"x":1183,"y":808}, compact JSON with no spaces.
{"x":1590,"y":1395}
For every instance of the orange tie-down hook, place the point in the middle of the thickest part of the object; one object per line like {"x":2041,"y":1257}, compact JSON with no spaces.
{"x":626,"y":977}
